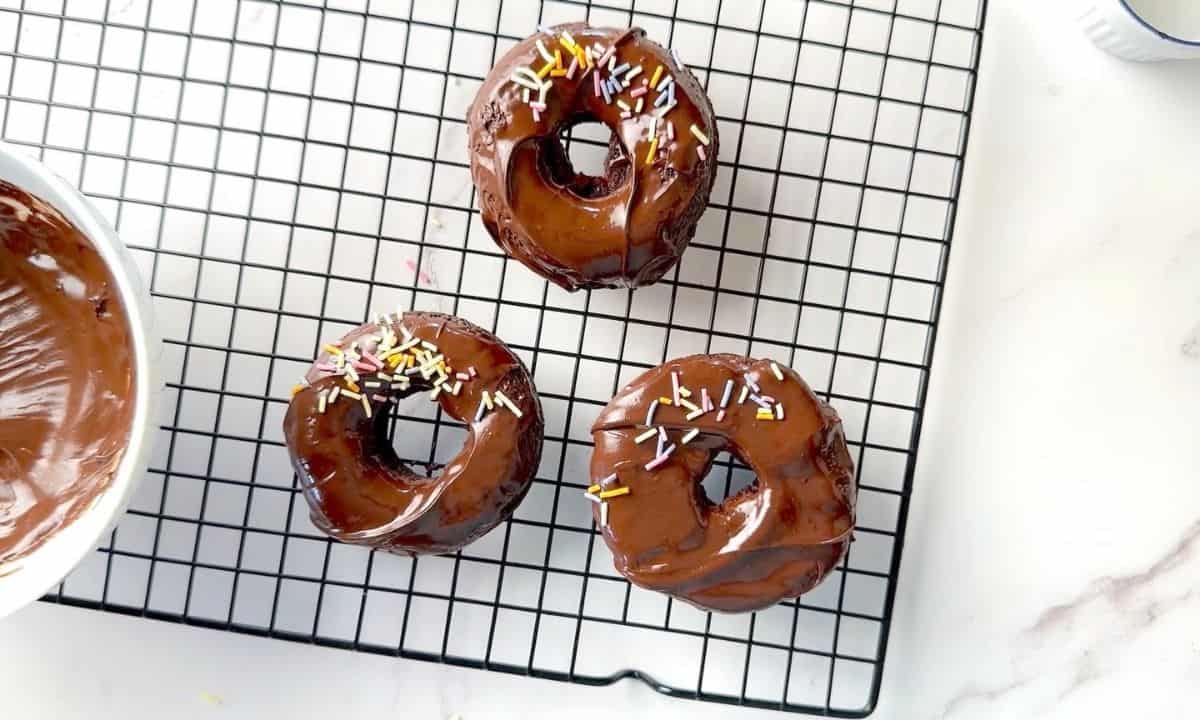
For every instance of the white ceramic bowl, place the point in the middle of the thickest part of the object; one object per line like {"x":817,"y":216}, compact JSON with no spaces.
{"x":1140,"y":34}
{"x":23,"y":581}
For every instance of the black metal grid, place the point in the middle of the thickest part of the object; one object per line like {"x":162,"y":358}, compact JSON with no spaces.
{"x":282,"y":169}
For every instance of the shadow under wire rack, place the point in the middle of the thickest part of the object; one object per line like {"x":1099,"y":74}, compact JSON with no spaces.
{"x":283,"y":170}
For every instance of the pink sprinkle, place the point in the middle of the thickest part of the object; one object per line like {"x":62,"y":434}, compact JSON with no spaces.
{"x":626,"y":115}
{"x":704,"y":401}
{"x":720,"y":416}
{"x":645,"y":81}
{"x":769,"y":399}
{"x":671,"y":132}
{"x":672,"y":147}
{"x":638,"y":93}
{"x":662,"y":458}
{"x":373,"y":360}
{"x":596,"y":83}
{"x":662,"y":432}
{"x":363,"y":367}
{"x":608,"y":481}
{"x":378,"y":398}
{"x":462,"y":376}
{"x":701,"y":153}
{"x":540,"y":107}
{"x":472,"y":371}
{"x":326,"y":367}
{"x":607,"y":54}
{"x":675,"y":386}
{"x":537,"y":116}
{"x":571,"y":70}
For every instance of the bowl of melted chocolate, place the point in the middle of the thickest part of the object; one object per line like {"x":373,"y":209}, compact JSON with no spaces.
{"x":78,"y":386}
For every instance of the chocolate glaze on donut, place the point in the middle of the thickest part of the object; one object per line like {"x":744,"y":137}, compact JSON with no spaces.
{"x":626,"y":228}
{"x":360,"y":492}
{"x":67,"y":393}
{"x":773,"y":540}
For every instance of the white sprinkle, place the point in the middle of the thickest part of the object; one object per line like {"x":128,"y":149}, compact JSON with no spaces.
{"x":604,"y":515}
{"x":428,"y":346}
{"x":678,"y":60}
{"x":650,"y":413}
{"x":322,"y":401}
{"x":366,"y":403}
{"x":645,"y":436}
{"x":487,"y":400}
{"x":333,"y":395}
{"x":400,"y":385}
{"x":371,"y":384}
{"x":629,"y":76}
{"x":662,"y":84}
{"x":480,"y":412}
{"x":778,"y":373}
{"x":689,"y":405}
{"x":721,"y":416}
{"x":675,"y":386}
{"x":544,"y":29}
{"x":743,"y":395}
{"x":592,"y":498}
{"x":457,"y":386}
{"x":694,"y":414}
{"x":541,"y":47}
{"x":725,"y":395}
{"x":607,"y":482}
{"x":750,"y":381}
{"x":502,"y":398}
{"x":433,"y":394}
{"x":623,"y":105}
{"x":778,"y":412}
{"x":351,"y":395}
{"x":662,"y":431}
{"x":525,"y":96}
{"x":690,"y":435}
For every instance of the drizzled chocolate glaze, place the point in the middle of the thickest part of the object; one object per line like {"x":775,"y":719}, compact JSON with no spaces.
{"x":773,"y":540}
{"x":360,"y":492}
{"x":66,"y":373}
{"x":626,"y":228}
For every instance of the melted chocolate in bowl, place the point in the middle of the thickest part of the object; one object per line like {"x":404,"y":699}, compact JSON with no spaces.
{"x":67,"y":396}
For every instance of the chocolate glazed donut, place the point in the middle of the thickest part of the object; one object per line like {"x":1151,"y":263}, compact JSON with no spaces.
{"x":777,"y":538}
{"x":628,"y":227}
{"x":357,"y":488}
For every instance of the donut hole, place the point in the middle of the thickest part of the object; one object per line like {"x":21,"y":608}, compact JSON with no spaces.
{"x":727,"y":477}
{"x":421,"y":441}
{"x":586,"y":158}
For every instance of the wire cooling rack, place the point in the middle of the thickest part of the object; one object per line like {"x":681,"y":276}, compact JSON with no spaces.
{"x":282,"y":169}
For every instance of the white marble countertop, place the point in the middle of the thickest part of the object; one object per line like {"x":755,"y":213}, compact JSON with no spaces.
{"x":1054,"y":534}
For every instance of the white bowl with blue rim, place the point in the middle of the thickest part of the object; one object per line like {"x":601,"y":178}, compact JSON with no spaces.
{"x":1144,"y":30}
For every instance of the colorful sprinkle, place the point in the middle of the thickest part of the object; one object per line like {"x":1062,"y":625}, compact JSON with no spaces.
{"x":322,"y":402}
{"x":750,"y":382}
{"x":764,"y":414}
{"x":650,"y":414}
{"x":608,"y":481}
{"x":296,"y":389}
{"x":778,"y":412}
{"x":726,"y":393}
{"x":629,"y":76}
{"x":721,"y":416}
{"x":487,"y":401}
{"x":607,"y":56}
{"x":614,"y":493}
{"x":366,"y":403}
{"x":689,"y":436}
{"x":571,"y":70}
{"x":661,"y":99}
{"x":638,"y":92}
{"x":333,"y":394}
{"x":653,"y":148}
{"x":607,"y":95}
{"x":778,"y":373}
{"x":592,"y":498}
{"x":664,"y":401}
{"x":700,"y":135}
{"x":657,"y":74}
{"x":604,"y":515}
{"x":675,"y":386}
{"x":701,"y":154}
{"x":705,"y":400}
{"x":620,"y":68}
{"x":645,"y":436}
{"x":351,"y":394}
{"x":594,"y":489}
{"x":480,"y":411}
{"x":541,"y":48}
{"x":744,"y":394}
{"x":640,"y":104}
{"x":623,"y":105}
{"x":662,"y":458}
{"x":666,"y":82}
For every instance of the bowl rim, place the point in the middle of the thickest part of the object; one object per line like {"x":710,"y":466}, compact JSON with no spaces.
{"x":26,"y":579}
{"x":1137,"y":16}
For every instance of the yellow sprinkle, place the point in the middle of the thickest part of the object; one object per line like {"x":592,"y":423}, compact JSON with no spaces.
{"x":653,"y":150}
{"x":582,"y":57}
{"x":689,"y":436}
{"x":556,"y":73}
{"x":700,"y":136}
{"x":558,"y":60}
{"x":594,"y":489}
{"x":614,"y":493}
{"x":333,"y":350}
{"x":764,"y":414}
{"x":545,"y":69}
{"x":353,"y":385}
{"x":366,"y":405}
{"x":655,"y":77}
{"x":646,"y":436}
{"x":296,"y":389}
{"x":664,"y":401}
{"x":587,"y":56}
{"x":778,"y":373}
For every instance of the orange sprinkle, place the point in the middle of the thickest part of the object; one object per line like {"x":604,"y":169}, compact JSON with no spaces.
{"x":353,"y":385}
{"x":296,"y":389}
